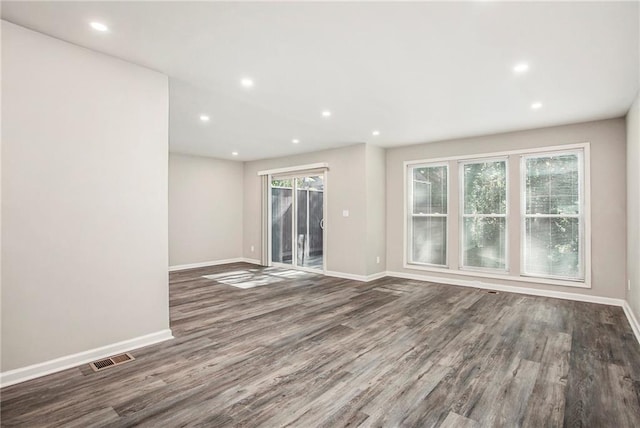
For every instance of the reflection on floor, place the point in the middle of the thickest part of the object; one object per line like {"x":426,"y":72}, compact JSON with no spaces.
{"x":311,"y":262}
{"x":250,"y":278}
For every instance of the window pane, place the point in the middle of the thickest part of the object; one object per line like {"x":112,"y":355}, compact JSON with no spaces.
{"x":311,"y":182}
{"x":552,"y":247}
{"x":485,"y":188}
{"x":429,"y":243}
{"x":430,"y":190}
{"x":282,"y":183}
{"x":553,"y":185}
{"x":484,"y":242}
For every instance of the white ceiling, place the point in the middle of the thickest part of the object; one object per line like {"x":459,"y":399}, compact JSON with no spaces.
{"x":417,"y":72}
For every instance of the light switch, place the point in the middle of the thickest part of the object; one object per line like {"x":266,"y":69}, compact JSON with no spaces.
{"x":345,"y":213}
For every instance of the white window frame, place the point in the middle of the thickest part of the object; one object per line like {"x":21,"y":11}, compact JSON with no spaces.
{"x":317,"y":169}
{"x":409,"y":215}
{"x":462,"y":215}
{"x":512,"y":275}
{"x":582,"y":225}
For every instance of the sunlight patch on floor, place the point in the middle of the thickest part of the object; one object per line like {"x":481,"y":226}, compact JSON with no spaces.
{"x":255,"y":278}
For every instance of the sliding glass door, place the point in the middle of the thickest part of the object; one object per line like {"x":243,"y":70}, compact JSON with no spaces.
{"x":282,"y":221}
{"x":297,"y":221}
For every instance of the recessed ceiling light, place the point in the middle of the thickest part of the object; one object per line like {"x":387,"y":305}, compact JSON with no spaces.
{"x":521,"y":67}
{"x":99,"y":26}
{"x":234,"y":153}
{"x":204,"y":118}
{"x":536,"y":105}
{"x":375,"y":133}
{"x":246,"y":82}
{"x":326,"y":113}
{"x":295,"y":141}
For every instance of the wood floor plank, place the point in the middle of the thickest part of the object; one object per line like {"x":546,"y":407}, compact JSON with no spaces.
{"x":547,"y":404}
{"x":304,"y":350}
{"x":454,"y":420}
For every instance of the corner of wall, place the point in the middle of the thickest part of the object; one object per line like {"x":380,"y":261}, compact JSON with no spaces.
{"x":633,"y":208}
{"x":376,"y":201}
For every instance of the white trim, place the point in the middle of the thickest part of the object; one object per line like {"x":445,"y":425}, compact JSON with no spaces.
{"x":354,"y":277}
{"x":325,"y":219}
{"x":294,"y":223}
{"x":585,"y":147}
{"x":584,"y":216}
{"x":252,"y":261}
{"x":375,"y":276}
{"x":23,"y":374}
{"x":299,"y":168}
{"x":499,"y":154}
{"x":633,"y":321}
{"x":586,"y":193}
{"x":409,"y":215}
{"x":269,"y":224}
{"x":510,"y":289}
{"x":504,"y":277}
{"x":209,"y":263}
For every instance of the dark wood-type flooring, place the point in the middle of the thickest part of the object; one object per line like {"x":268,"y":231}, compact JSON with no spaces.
{"x":305,"y":350}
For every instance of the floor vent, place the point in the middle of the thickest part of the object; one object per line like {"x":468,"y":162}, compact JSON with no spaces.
{"x":111,"y":361}
{"x":492,"y":292}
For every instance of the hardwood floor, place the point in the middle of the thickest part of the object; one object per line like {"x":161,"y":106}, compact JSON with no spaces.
{"x":306,"y":350}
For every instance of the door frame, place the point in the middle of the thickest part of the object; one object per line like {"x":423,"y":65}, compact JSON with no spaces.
{"x":294,"y":222}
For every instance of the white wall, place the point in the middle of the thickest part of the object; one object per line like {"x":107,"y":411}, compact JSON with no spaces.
{"x":376,"y":183}
{"x":633,"y":206}
{"x":608,"y":208}
{"x":346,"y":236}
{"x":84,"y":199}
{"x":205,"y":209}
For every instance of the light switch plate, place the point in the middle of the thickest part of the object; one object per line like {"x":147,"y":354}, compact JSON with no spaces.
{"x":345,"y":213}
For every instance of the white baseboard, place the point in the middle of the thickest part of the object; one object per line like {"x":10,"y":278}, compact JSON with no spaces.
{"x":635,"y":326}
{"x":205,"y":264}
{"x":375,"y":276}
{"x":343,"y":275}
{"x":176,"y":268}
{"x":361,"y":278}
{"x":23,"y":374}
{"x":510,"y":289}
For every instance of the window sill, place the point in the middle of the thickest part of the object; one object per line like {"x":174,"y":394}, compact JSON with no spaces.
{"x":502,"y":277}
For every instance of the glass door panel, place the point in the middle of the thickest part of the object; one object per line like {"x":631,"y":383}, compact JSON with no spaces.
{"x":302,"y":235}
{"x":282,"y":221}
{"x":316,"y":232}
{"x":310,"y":222}
{"x":297,"y":221}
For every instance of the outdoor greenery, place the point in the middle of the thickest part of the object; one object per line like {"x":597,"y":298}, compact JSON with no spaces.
{"x":552,"y":185}
{"x":552,"y":207}
{"x":553,"y":243}
{"x":485,"y":192}
{"x":310,"y":182}
{"x":485,"y":188}
{"x":288,"y":183}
